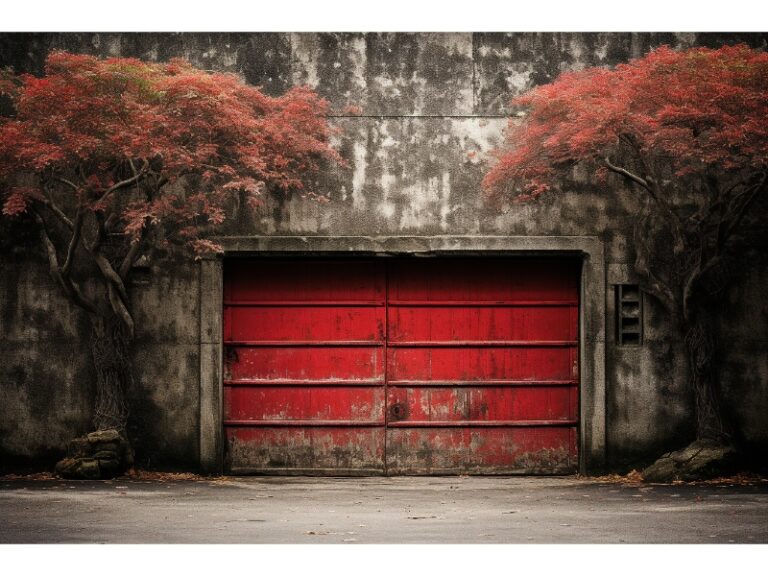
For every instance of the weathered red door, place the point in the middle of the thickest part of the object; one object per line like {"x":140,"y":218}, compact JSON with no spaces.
{"x":482,"y":366}
{"x":304,"y":366}
{"x":411,"y":366}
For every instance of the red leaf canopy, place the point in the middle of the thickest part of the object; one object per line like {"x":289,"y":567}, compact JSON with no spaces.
{"x":689,"y":113}
{"x":115,"y":135}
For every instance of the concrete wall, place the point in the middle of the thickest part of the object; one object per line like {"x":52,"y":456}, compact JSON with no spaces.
{"x":46,"y":375}
{"x":431,"y":106}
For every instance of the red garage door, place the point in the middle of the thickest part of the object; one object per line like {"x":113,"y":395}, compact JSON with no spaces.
{"x":418,"y":366}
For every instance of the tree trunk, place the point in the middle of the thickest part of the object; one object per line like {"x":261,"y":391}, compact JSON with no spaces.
{"x":105,"y":453}
{"x":109,"y":346}
{"x":712,"y":453}
{"x":703,"y":377}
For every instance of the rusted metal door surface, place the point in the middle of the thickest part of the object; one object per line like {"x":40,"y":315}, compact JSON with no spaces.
{"x":304,"y":366}
{"x":482,"y":368}
{"x":412,"y":366}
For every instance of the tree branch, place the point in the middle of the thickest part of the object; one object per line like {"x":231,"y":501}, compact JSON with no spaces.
{"x":69,"y":183}
{"x":131,"y":256}
{"x":727,"y":225}
{"x":70,"y":287}
{"x":127,"y":182}
{"x":651,"y":177}
{"x":104,"y":265}
{"x":629,"y":175}
{"x":116,"y":291}
{"x":653,"y":185}
{"x":55,"y":209}
{"x":101,"y":232}
{"x":120,"y":309}
{"x":74,"y":241}
{"x":749,"y":196}
{"x":642,"y":265}
{"x":108,"y":271}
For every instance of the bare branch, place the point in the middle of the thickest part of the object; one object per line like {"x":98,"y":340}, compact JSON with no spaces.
{"x":74,"y":241}
{"x":627,"y":174}
{"x":653,"y":283}
{"x":69,"y":183}
{"x":118,"y":295}
{"x":652,"y":183}
{"x":55,"y":209}
{"x":104,"y":265}
{"x":726,"y":226}
{"x":70,"y":287}
{"x":120,"y":309}
{"x":651,"y":177}
{"x":127,"y":182}
{"x":747,"y":198}
{"x":131,"y":257}
{"x":101,"y":232}
{"x":53,"y":259}
{"x":108,"y":271}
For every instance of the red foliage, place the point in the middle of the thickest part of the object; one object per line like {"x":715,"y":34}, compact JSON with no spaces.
{"x":114,"y":136}
{"x":684,"y":114}
{"x":688,"y":131}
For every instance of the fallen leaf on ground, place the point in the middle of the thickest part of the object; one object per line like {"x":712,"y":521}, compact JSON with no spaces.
{"x":631,"y":478}
{"x":33,"y":476}
{"x":634,"y":478}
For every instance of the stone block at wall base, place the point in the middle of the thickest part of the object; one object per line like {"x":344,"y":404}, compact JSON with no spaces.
{"x":98,"y":455}
{"x":701,"y":460}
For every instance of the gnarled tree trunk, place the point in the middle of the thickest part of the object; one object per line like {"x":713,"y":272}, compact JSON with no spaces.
{"x":700,"y":343}
{"x":110,"y":343}
{"x":712,"y":452}
{"x":106,"y":452}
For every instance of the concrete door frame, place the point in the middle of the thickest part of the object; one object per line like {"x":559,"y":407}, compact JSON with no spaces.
{"x":592,"y":309}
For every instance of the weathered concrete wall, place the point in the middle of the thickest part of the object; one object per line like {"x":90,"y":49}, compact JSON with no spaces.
{"x":46,"y":375}
{"x":744,"y":336}
{"x":165,"y":400}
{"x":431,"y":106}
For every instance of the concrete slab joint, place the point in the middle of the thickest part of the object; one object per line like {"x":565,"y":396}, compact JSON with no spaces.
{"x":592,"y":320}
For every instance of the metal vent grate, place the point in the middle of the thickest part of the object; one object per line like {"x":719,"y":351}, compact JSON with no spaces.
{"x":629,"y":315}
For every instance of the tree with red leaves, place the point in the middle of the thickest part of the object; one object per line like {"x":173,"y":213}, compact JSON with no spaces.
{"x":112,"y":158}
{"x":687,"y":131}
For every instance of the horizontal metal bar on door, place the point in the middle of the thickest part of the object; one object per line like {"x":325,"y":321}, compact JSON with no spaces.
{"x":277,"y":303}
{"x":313,"y":383}
{"x":483,"y":343}
{"x":500,"y":383}
{"x":395,"y":344}
{"x":406,"y":303}
{"x":480,"y":303}
{"x":303,"y":343}
{"x":306,"y":423}
{"x":400,"y":383}
{"x":478,"y":423}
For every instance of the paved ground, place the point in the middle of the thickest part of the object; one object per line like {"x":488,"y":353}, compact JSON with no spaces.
{"x":379,"y":510}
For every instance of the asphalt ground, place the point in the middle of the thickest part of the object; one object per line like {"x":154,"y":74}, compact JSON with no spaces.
{"x":426,"y":510}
